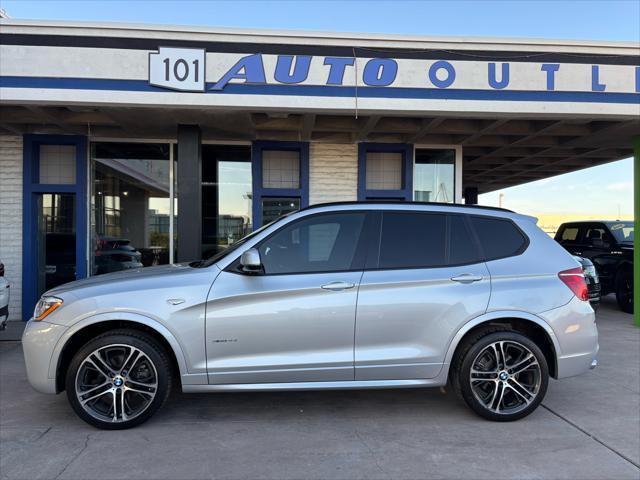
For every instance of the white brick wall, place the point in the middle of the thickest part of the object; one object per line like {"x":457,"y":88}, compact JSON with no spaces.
{"x":333,"y":172}
{"x":11,"y":218}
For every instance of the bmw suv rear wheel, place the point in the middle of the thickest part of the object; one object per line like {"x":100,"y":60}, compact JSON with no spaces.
{"x":118,"y":380}
{"x":502,"y":376}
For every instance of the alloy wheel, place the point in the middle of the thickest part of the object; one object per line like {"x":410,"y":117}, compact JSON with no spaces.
{"x":116,"y":383}
{"x":505,"y":377}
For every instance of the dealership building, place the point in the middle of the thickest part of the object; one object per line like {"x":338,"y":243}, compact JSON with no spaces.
{"x":125,"y":146}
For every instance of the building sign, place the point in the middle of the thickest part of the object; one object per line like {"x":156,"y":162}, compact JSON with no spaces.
{"x":178,"y":69}
{"x":184,"y":69}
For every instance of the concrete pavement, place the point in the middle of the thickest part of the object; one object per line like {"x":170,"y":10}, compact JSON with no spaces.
{"x":588,"y":427}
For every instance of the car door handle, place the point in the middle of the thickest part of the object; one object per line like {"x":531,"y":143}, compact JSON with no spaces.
{"x":337,"y":286}
{"x":466,"y":278}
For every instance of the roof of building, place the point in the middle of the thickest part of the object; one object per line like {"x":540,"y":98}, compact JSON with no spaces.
{"x":386,"y":41}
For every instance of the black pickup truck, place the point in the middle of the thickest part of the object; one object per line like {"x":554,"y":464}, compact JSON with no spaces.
{"x":609,"y":245}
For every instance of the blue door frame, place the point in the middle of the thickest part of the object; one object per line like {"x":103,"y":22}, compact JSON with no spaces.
{"x":32,"y":188}
{"x":259,"y":192}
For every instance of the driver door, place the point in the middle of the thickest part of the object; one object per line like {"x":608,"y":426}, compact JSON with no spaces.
{"x":293,"y":322}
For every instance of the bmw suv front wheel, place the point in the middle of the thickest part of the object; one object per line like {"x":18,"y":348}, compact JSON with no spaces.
{"x":119,"y":379}
{"x":502,"y":376}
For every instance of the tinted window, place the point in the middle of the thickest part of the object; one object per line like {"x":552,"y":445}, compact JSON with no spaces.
{"x":322,"y":243}
{"x":462,"y":246}
{"x":569,"y":234}
{"x":596,"y":234}
{"x":622,"y":231}
{"x":412,"y":240}
{"x":498,"y":238}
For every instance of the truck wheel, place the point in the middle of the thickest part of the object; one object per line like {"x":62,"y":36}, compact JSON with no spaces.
{"x":624,"y":291}
{"x":119,"y":379}
{"x":502,"y":376}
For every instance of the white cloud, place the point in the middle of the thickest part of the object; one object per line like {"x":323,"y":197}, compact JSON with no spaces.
{"x":620,"y":186}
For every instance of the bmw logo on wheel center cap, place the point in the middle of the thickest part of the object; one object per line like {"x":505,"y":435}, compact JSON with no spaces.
{"x":118,"y":381}
{"x":504,"y":376}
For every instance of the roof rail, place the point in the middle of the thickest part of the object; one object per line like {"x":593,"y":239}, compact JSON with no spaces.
{"x":388,"y":202}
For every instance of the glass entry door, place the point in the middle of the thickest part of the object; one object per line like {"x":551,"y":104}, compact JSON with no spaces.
{"x":55,"y":239}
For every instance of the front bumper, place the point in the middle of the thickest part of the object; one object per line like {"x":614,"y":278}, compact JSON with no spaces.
{"x":4,"y":302}
{"x":4,"y":315}
{"x":38,"y":342}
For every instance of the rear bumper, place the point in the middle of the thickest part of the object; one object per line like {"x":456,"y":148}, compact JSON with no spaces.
{"x":570,"y":366}
{"x":575,"y":328}
{"x":38,"y":342}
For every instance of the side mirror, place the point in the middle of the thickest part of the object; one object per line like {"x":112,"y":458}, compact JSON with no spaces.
{"x":250,"y":261}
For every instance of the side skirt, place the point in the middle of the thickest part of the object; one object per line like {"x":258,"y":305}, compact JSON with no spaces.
{"x":345,"y":385}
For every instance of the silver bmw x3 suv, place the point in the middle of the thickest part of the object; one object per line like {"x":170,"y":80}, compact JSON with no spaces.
{"x":352,"y":295}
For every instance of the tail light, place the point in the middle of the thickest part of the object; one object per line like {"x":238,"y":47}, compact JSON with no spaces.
{"x":574,"y":279}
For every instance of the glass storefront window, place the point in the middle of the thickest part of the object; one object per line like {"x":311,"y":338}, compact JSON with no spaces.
{"x":384,"y":171}
{"x":226,"y":196}
{"x":281,"y":169}
{"x":130,"y":206}
{"x":57,"y":164}
{"x":433,"y":176}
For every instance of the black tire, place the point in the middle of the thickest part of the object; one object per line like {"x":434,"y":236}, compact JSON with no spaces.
{"x":153,"y":362}
{"x":624,"y":291}
{"x":469,"y":354}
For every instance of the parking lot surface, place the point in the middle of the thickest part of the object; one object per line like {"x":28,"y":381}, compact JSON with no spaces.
{"x":588,"y":427}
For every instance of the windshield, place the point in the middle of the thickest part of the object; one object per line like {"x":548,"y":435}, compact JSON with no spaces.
{"x":234,"y":246}
{"x":623,"y":231}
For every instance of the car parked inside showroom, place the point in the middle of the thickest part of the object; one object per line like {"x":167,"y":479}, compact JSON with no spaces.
{"x":334,"y":296}
{"x":609,"y":245}
{"x":114,"y":254}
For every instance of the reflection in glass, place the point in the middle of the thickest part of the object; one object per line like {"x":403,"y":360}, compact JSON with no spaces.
{"x":56,"y":240}
{"x":175,"y":201}
{"x":226,"y":196}
{"x":130,"y":206}
{"x":273,"y":208}
{"x":433,"y":177}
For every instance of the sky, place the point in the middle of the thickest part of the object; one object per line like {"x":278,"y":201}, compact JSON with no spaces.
{"x":605,"y":191}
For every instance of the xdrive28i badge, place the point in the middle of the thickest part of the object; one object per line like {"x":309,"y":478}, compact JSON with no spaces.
{"x":178,"y":69}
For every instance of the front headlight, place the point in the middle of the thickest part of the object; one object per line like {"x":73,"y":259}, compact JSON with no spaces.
{"x":45,"y":306}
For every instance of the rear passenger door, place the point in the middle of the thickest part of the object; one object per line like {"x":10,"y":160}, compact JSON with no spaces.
{"x":424,"y":280}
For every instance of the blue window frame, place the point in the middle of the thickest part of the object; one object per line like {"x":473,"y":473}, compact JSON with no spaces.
{"x":260,"y":192}
{"x":405,"y":193}
{"x":31,"y":189}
